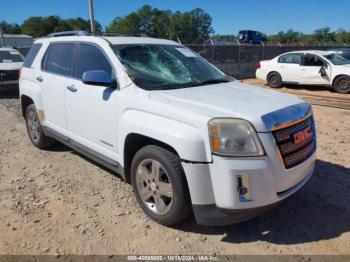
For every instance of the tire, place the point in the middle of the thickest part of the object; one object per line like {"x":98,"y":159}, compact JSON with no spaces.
{"x":274,"y":80}
{"x":34,"y":129}
{"x":162,"y":195}
{"x":342,"y":85}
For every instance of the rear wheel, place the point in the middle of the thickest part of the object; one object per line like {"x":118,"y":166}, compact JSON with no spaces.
{"x":160,"y":186}
{"x":34,"y":129}
{"x":274,"y":80}
{"x":342,"y":85}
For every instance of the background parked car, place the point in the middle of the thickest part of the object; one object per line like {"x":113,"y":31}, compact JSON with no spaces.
{"x":11,"y":61}
{"x":344,"y":52}
{"x":251,"y":37}
{"x":325,"y":68}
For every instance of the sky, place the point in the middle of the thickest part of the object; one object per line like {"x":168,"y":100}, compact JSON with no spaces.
{"x":228,"y":17}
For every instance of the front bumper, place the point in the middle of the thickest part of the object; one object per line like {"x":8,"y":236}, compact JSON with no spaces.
{"x":213,"y":215}
{"x":214,"y":186}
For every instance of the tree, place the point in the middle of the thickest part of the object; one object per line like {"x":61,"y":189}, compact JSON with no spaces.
{"x":324,"y":35}
{"x":10,"y":28}
{"x":38,"y":26}
{"x":189,"y":27}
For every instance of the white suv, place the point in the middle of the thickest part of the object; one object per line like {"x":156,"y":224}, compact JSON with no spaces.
{"x":327,"y":68}
{"x":185,"y":135}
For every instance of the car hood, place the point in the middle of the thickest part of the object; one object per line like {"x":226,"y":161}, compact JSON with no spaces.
{"x":11,"y":66}
{"x":232,"y":99}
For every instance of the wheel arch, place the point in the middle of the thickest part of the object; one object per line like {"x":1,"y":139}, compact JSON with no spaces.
{"x":337,"y":77}
{"x":25,"y":102}
{"x":271,"y":72}
{"x":133,"y":143}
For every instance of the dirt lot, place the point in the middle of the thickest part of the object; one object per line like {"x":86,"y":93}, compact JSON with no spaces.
{"x":57,"y":202}
{"x":321,"y":91}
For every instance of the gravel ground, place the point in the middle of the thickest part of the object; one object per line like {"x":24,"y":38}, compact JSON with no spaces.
{"x":58,"y":202}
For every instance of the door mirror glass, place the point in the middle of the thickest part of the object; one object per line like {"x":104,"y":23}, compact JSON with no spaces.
{"x":98,"y":78}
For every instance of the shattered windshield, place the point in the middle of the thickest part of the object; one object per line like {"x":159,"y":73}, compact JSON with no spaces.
{"x":160,"y":67}
{"x":10,"y":57}
{"x":337,"y":59}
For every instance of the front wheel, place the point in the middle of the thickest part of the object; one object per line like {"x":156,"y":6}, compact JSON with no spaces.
{"x":159,"y":184}
{"x":274,"y":80}
{"x":342,"y":85}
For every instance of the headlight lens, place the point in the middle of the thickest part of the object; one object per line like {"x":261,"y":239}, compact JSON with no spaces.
{"x":234,"y":137}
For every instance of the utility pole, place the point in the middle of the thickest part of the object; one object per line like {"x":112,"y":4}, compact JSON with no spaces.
{"x":92,"y":17}
{"x":2,"y":41}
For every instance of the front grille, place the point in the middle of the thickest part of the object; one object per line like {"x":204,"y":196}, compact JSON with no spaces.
{"x":9,"y":75}
{"x":295,"y":153}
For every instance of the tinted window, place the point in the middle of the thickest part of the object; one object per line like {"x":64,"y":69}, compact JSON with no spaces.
{"x":9,"y":56}
{"x":28,"y":61}
{"x":346,"y":54}
{"x":90,"y":58}
{"x":290,"y":59}
{"x":312,"y":60}
{"x":59,"y":58}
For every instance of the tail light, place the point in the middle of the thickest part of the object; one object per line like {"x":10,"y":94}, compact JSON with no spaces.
{"x":19,"y":73}
{"x":257,"y":65}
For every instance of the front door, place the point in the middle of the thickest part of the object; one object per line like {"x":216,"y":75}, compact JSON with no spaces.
{"x":310,"y":71}
{"x":91,"y":110}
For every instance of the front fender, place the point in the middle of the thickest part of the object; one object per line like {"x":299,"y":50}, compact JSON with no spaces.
{"x":190,"y":142}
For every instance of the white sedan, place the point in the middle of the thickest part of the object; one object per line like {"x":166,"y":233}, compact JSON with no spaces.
{"x":307,"y":68}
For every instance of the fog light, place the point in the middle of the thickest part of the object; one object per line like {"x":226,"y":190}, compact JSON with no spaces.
{"x":243,"y":188}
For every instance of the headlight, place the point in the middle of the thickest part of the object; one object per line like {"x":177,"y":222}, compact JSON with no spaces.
{"x":234,"y":137}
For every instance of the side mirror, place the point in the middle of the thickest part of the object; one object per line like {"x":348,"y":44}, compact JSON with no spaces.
{"x":98,"y":78}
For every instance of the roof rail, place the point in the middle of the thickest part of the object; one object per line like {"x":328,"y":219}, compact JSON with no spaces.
{"x":69,"y":33}
{"x":118,"y":34}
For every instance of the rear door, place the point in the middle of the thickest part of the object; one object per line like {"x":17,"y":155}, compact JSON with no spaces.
{"x":92,"y":110}
{"x":56,"y":69}
{"x":310,"y":70}
{"x":288,"y":66}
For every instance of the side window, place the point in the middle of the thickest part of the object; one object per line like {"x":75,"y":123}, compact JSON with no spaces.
{"x":58,"y":58}
{"x":312,"y":60}
{"x":290,"y":59}
{"x":90,"y":58}
{"x":28,"y":61}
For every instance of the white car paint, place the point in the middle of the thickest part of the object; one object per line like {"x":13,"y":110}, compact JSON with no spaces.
{"x":179,"y":118}
{"x":303,"y":75}
{"x":9,"y":65}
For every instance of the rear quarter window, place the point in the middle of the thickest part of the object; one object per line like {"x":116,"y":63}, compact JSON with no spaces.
{"x":29,"y":59}
{"x":290,"y":59}
{"x":58,"y":58}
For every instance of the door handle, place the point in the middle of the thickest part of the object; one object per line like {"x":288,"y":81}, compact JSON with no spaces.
{"x":72,"y":88}
{"x":39,"y":78}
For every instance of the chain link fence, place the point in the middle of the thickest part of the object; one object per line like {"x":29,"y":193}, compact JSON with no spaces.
{"x":239,"y":61}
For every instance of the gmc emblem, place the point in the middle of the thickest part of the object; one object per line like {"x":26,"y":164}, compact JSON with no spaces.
{"x":302,"y":135}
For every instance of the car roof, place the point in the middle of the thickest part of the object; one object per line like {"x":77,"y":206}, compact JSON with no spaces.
{"x":113,"y":40}
{"x":314,"y":52}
